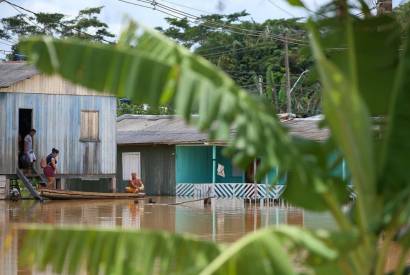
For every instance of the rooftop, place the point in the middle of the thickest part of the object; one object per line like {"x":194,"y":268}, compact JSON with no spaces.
{"x":13,"y":72}
{"x":156,"y":129}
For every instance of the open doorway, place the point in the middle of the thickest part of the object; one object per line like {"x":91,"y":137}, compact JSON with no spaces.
{"x":25,"y":125}
{"x":250,"y":173}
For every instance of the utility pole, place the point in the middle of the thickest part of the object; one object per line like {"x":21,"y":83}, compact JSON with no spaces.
{"x":260,"y":85}
{"x":384,"y":6}
{"x":289,"y":101}
{"x":274,"y":97}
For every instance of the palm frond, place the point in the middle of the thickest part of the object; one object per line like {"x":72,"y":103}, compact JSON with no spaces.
{"x":104,"y":251}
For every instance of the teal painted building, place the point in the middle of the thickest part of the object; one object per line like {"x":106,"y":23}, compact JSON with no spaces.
{"x":165,"y":153}
{"x":173,"y":158}
{"x":195,"y":164}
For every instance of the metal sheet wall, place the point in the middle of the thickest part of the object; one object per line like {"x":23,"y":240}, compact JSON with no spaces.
{"x":157,"y":168}
{"x":194,"y":165}
{"x":232,"y":175}
{"x":57,"y":120}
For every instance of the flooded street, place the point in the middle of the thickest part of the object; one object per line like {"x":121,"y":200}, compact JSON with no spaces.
{"x":225,"y":220}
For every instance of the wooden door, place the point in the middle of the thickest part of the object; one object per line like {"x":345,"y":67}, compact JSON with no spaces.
{"x":131,"y":163}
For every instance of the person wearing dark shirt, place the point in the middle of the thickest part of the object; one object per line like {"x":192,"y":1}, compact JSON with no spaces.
{"x":50,"y":169}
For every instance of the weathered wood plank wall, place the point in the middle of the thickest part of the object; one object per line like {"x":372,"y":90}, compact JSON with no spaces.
{"x":57,"y":120}
{"x":157,"y":168}
{"x":44,"y":84}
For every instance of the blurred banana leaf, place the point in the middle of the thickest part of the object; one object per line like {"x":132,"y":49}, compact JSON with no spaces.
{"x":103,"y":251}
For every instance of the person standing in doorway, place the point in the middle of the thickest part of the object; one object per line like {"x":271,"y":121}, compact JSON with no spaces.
{"x":28,"y":147}
{"x":50,"y":169}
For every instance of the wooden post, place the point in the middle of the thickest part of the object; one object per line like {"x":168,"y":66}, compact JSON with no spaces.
{"x":213,"y":203}
{"x":289,"y":101}
{"x":114,"y":184}
{"x":213,"y":164}
{"x":260,"y":85}
{"x":62,"y":184}
{"x":255,"y":186}
{"x":275,"y":98}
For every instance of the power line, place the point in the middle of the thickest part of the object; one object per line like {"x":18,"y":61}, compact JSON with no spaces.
{"x":187,"y":7}
{"x":279,"y":7}
{"x":62,"y":24}
{"x":237,"y":50}
{"x":15,"y":8}
{"x":183,"y":13}
{"x":195,"y":19}
{"x":201,"y":50}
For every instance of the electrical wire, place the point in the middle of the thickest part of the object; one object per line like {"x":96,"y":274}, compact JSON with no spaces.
{"x":279,"y":7}
{"x":213,"y":25}
{"x":30,"y":21}
{"x":237,"y":50}
{"x":187,"y":7}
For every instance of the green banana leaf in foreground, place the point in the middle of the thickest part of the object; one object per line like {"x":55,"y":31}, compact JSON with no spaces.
{"x":103,"y":251}
{"x":362,"y":63}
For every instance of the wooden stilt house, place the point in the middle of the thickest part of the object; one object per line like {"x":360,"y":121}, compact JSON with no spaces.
{"x":79,"y":122}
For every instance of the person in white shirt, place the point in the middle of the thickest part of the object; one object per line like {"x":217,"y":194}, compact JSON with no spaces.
{"x":28,"y":146}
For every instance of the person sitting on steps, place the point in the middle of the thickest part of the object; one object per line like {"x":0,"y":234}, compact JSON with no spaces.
{"x":135,"y":185}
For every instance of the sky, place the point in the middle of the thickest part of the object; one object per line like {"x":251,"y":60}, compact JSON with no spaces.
{"x":116,"y":13}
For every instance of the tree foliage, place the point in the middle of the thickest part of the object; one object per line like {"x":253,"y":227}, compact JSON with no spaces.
{"x":402,"y":13}
{"x":86,"y":25}
{"x":127,"y":107}
{"x":253,"y":55}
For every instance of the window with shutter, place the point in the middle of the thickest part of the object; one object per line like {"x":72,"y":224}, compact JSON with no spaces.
{"x":89,"y":126}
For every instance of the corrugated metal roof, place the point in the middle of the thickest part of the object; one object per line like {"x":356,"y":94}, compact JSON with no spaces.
{"x":152,"y":129}
{"x":12,"y":72}
{"x":307,"y":128}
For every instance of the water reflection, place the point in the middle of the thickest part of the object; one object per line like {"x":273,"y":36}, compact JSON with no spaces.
{"x":225,"y":220}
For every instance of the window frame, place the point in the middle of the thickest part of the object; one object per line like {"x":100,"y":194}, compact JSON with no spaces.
{"x":89,"y":138}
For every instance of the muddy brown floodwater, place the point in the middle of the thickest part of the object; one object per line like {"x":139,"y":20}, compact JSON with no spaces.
{"x":226,"y":220}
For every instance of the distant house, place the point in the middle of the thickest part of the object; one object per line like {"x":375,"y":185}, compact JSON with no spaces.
{"x":79,"y":122}
{"x":173,"y":158}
